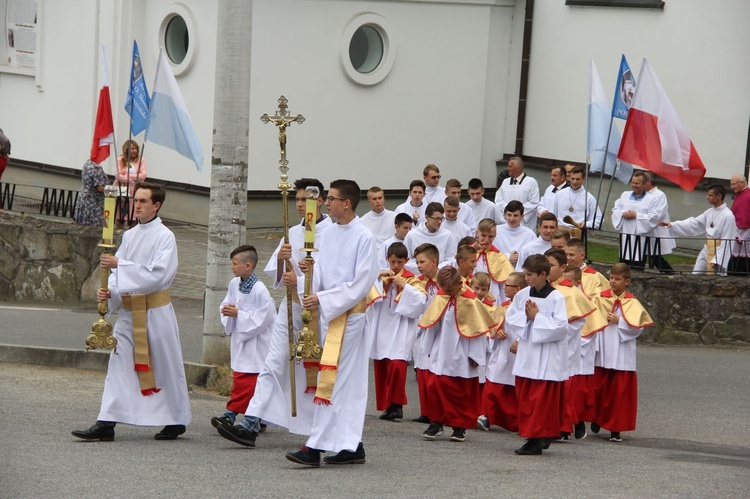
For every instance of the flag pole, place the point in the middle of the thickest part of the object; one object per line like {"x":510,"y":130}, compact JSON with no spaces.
{"x":604,"y":161}
{"x":609,"y":191}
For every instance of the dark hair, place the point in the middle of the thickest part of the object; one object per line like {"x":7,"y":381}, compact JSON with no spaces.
{"x":454,"y":202}
{"x":402,"y":218}
{"x":398,"y":250}
{"x":247,"y":252}
{"x":476,"y":183}
{"x":158,"y":194}
{"x":641,"y":174}
{"x":454,"y":182}
{"x":447,"y":276}
{"x":577,"y":169}
{"x":718,"y":189}
{"x":304,"y":183}
{"x":417,"y":183}
{"x":348,"y":189}
{"x":467,"y":241}
{"x":536,"y":264}
{"x":465,"y":252}
{"x":430,"y":168}
{"x":514,"y":206}
{"x":558,"y":254}
{"x":561,"y":168}
{"x":434,"y":208}
{"x":546,"y":217}
{"x":576,"y":243}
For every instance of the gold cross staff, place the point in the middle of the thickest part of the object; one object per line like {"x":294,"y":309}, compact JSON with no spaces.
{"x":282,"y":119}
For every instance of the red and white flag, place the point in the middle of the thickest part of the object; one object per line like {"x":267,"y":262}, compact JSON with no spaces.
{"x":654,"y":137}
{"x":104,"y":128}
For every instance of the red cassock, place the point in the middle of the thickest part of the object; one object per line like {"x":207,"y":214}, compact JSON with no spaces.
{"x":500,"y":405}
{"x":539,"y":408}
{"x":242,"y":391}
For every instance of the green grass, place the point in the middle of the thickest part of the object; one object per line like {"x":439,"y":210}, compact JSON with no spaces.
{"x":607,"y":253}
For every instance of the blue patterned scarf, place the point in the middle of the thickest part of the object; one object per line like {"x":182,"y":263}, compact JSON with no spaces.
{"x":247,"y":285}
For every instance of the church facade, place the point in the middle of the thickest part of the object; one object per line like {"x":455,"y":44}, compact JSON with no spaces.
{"x":386,"y":87}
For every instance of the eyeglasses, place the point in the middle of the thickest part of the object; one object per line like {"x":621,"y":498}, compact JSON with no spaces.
{"x":331,"y":199}
{"x":437,"y":219}
{"x":436,"y":177}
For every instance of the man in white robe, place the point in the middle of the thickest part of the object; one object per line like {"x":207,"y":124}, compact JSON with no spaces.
{"x":452,"y":222}
{"x":431,"y":232}
{"x":145,"y":264}
{"x":634,"y":214}
{"x":557,"y":179}
{"x":465,"y":215}
{"x":480,"y":206}
{"x":519,"y":187}
{"x":719,"y":226}
{"x":415,"y":205}
{"x":575,"y":202}
{"x":547,"y":225}
{"x":272,"y":400}
{"x":378,"y":219}
{"x":345,"y":270}
{"x":512,"y":235}
{"x":660,"y":245}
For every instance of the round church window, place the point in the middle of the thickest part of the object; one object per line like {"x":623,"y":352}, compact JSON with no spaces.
{"x":176,"y":39}
{"x":368,"y":49}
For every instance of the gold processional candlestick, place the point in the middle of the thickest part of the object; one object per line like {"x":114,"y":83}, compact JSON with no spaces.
{"x":101,"y":330}
{"x":282,"y":119}
{"x":307,"y":339}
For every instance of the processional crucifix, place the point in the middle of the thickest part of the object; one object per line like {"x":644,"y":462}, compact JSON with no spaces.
{"x":303,"y":348}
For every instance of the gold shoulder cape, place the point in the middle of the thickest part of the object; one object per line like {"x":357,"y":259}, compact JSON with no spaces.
{"x":374,"y":295}
{"x":498,"y":266}
{"x":632,"y":310}
{"x":472,"y":318}
{"x":576,"y":303}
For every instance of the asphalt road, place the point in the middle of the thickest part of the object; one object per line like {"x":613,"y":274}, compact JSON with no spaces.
{"x":693,"y":439}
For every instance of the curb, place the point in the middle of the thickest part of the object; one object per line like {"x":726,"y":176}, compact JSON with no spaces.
{"x":195,"y":373}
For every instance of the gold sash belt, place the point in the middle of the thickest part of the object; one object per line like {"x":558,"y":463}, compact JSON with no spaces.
{"x":329,"y":361}
{"x":138,"y":305}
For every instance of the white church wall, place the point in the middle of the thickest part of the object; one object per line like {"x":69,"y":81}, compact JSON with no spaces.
{"x":429,"y":109}
{"x":698,"y":50}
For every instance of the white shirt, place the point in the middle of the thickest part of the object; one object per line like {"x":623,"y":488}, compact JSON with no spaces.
{"x":466,"y":216}
{"x":457,"y":228}
{"x":485,"y":209}
{"x":510,"y":239}
{"x":647,"y":218}
{"x":409,"y":210}
{"x":380,"y":224}
{"x":666,"y":245}
{"x":579,"y":205}
{"x":526,"y":191}
{"x":548,"y":199}
{"x":536,"y":247}
{"x":441,"y":238}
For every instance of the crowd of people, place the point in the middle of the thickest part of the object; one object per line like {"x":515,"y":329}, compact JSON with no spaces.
{"x":504,"y":322}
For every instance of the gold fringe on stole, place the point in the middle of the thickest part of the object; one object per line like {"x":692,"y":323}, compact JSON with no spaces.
{"x":138,"y":305}
{"x":712,"y":246}
{"x":329,"y":361}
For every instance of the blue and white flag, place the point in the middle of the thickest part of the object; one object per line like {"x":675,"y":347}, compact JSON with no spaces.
{"x":624,"y":91}
{"x":600,"y":121}
{"x":169,"y":123}
{"x":137,"y":99}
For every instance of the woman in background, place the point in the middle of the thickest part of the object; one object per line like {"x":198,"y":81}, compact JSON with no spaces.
{"x":90,"y":205}
{"x":129,"y":172}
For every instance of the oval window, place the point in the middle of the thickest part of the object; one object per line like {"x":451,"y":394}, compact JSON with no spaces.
{"x":176,"y":39}
{"x":366,"y":49}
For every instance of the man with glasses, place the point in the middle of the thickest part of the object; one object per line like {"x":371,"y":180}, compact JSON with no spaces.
{"x":433,"y":193}
{"x":431,"y":231}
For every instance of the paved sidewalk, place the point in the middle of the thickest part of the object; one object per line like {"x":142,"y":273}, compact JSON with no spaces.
{"x":192,"y":247}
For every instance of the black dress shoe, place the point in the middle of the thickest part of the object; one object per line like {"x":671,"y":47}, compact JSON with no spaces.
{"x":170,"y":432}
{"x":421,"y":419}
{"x":532,"y":447}
{"x":348,"y":457}
{"x":238,"y":434}
{"x":96,"y":432}
{"x":305,"y":456}
{"x":595,"y":428}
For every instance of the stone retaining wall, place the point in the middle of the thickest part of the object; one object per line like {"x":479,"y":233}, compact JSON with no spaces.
{"x":48,"y":261}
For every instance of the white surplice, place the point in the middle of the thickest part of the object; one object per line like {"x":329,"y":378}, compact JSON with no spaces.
{"x":660,"y":232}
{"x":526,"y":191}
{"x":410,"y":210}
{"x":147,"y":263}
{"x":458,"y":229}
{"x":382,"y":225}
{"x":536,"y":247}
{"x":466,"y":216}
{"x":441,"y":238}
{"x":632,"y":245}
{"x":485,"y":209}
{"x":394,"y":323}
{"x":579,"y":205}
{"x":542,"y":345}
{"x":272,"y":400}
{"x":449,"y":352}
{"x":252,"y":329}
{"x":510,"y":239}
{"x":346,"y":268}
{"x":717,"y":224}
